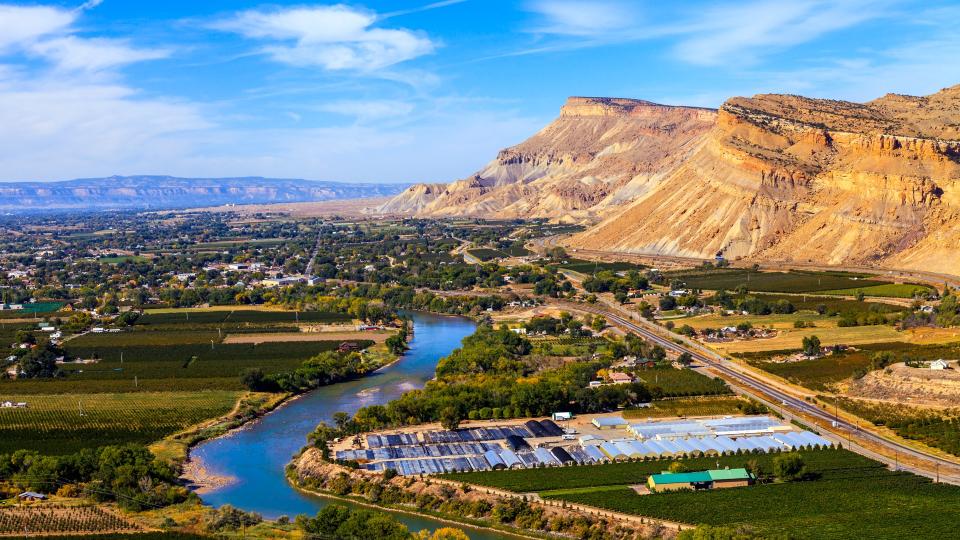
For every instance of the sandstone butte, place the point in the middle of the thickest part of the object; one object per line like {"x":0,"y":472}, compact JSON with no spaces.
{"x":766,"y":178}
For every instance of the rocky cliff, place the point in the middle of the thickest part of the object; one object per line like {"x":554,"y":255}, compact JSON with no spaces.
{"x":599,"y":153}
{"x":158,"y":192}
{"x":771,"y":177}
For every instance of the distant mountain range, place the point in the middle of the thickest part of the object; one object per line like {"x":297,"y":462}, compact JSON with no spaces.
{"x":165,"y":192}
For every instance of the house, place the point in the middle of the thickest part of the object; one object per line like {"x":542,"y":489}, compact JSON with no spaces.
{"x":609,"y":422}
{"x":348,"y":346}
{"x":13,"y":405}
{"x":522,"y":331}
{"x":713,"y":479}
{"x":31,"y":496}
{"x":559,"y":416}
{"x":618,"y":377}
{"x":940,"y":364}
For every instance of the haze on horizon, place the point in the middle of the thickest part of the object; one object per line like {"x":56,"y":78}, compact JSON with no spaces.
{"x":389,"y":91}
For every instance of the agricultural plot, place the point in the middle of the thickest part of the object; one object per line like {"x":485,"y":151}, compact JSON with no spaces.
{"x":846,"y":496}
{"x":933,"y":427}
{"x":56,"y":520}
{"x":819,"y":374}
{"x":591,"y":267}
{"x":156,"y":367}
{"x":609,"y":474}
{"x":681,"y":382}
{"x":65,"y":423}
{"x":236,"y":316}
{"x":793,"y":338}
{"x":517,"y":251}
{"x":893,"y":290}
{"x":694,"y":406}
{"x":784,"y":282}
{"x":487,"y":254}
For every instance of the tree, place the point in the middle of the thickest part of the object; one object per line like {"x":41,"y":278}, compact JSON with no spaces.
{"x":41,"y":362}
{"x":252,"y":378}
{"x":667,"y":303}
{"x":598,"y":323}
{"x":450,"y":417}
{"x":685,"y":358}
{"x":23,"y":336}
{"x":621,"y":297}
{"x":789,"y":467}
{"x":677,"y":467}
{"x":811,"y":346}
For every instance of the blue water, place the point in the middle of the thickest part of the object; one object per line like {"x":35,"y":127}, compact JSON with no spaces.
{"x":256,"y":455}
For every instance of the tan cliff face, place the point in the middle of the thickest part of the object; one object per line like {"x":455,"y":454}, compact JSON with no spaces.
{"x":772,"y":177}
{"x":598,"y":153}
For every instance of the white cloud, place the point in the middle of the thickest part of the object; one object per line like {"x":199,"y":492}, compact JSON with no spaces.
{"x":330,"y":37}
{"x":93,"y":54}
{"x":20,"y":25}
{"x":596,"y":18}
{"x":364,"y":110}
{"x":732,"y":34}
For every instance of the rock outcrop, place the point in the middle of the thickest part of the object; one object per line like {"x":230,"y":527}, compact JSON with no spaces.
{"x":767,"y":178}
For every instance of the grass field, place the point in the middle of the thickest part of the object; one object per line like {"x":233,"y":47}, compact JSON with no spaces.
{"x":123,"y":258}
{"x":779,"y":321}
{"x":692,"y":406}
{"x":820,"y":373}
{"x":793,"y":338}
{"x":681,"y":382}
{"x":847,"y":496}
{"x":64,"y":423}
{"x":850,"y":497}
{"x":610,"y":474}
{"x":487,"y":254}
{"x":893,"y":290}
{"x":591,"y":267}
{"x":783,"y":282}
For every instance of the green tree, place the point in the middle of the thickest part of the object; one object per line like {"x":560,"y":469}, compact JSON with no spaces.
{"x":789,"y":467}
{"x":811,"y":346}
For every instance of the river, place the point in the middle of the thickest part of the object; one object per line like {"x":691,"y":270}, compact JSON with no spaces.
{"x":255,"y":456}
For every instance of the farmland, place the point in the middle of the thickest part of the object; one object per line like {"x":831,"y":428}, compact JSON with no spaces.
{"x":63,"y":520}
{"x":793,"y":338}
{"x":591,"y":267}
{"x":65,"y":423}
{"x":893,"y":290}
{"x":610,"y":474}
{"x":820,"y":373}
{"x":692,"y":406}
{"x":848,"y":496}
{"x":782,"y":282}
{"x":487,"y":254}
{"x":681,"y":382}
{"x":936,"y":428}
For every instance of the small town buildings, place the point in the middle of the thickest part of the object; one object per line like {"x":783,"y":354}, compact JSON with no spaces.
{"x":618,"y":377}
{"x":940,"y":364}
{"x":713,"y":479}
{"x":559,"y":416}
{"x":13,"y":405}
{"x":610,"y":422}
{"x":348,"y":346}
{"x":31,"y":496}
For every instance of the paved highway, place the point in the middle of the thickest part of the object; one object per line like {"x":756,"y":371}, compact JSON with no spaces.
{"x":945,"y":470}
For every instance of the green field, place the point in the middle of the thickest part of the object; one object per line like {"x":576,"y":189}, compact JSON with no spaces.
{"x":487,"y":254}
{"x":62,"y":424}
{"x":123,"y":258}
{"x":784,"y":282}
{"x":237,"y":317}
{"x":820,"y":373}
{"x":893,"y":290}
{"x":846,"y":496}
{"x":849,"y":496}
{"x":609,"y":474}
{"x":934,"y":427}
{"x":592,"y":267}
{"x":692,"y":406}
{"x":681,"y":382}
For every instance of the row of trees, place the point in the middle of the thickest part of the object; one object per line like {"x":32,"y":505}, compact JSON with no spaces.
{"x":129,"y":475}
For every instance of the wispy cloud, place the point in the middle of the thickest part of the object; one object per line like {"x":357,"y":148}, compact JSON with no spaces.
{"x":366,"y":110}
{"x":93,"y":54}
{"x":591,"y":18}
{"x":333,"y":38}
{"x":20,"y":25}
{"x":749,"y":31}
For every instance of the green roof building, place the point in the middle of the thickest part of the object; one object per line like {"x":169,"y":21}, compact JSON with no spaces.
{"x":717,"y":478}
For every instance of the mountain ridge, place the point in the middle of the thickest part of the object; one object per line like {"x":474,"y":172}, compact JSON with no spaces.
{"x":769,"y":177}
{"x":157,"y":192}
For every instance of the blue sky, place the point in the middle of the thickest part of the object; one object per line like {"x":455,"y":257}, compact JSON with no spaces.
{"x":411,"y":91}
